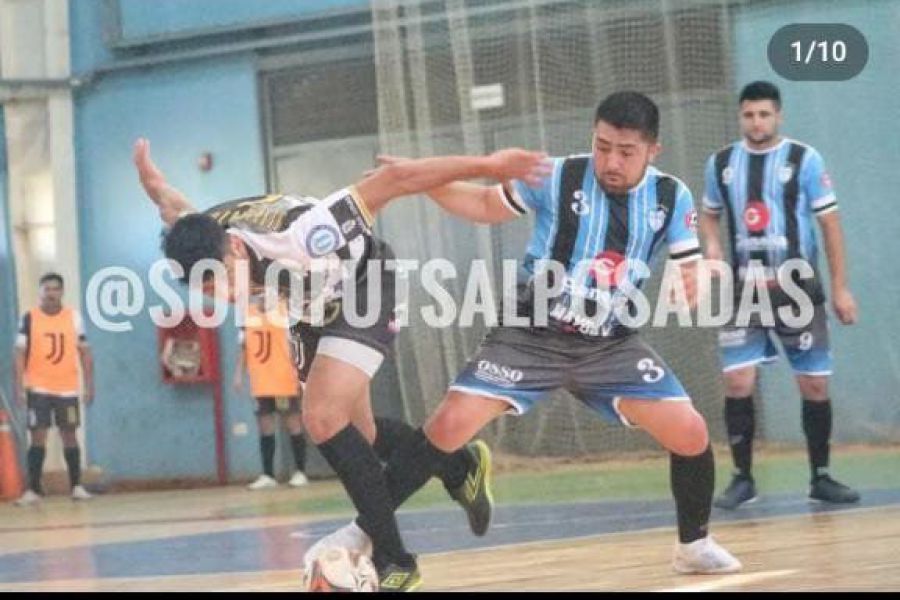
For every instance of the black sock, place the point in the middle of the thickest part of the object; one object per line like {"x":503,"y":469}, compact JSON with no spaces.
{"x":393,"y":435}
{"x":741,"y":426}
{"x":693,"y":479}
{"x":298,"y":445}
{"x":414,"y":464}
{"x":455,"y":468}
{"x":267,"y":451}
{"x":73,"y":463}
{"x":817,"y":427}
{"x":35,"y":468}
{"x":358,"y":468}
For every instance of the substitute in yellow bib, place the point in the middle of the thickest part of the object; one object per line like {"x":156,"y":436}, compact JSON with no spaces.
{"x":49,"y":348}
{"x":265,"y":352}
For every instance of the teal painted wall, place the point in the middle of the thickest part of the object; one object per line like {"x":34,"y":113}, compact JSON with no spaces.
{"x":854,"y":125}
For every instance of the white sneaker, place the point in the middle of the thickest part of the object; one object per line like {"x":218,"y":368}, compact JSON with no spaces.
{"x":29,"y":498}
{"x":704,"y":556}
{"x":349,"y":536}
{"x":263,"y":482}
{"x":298,"y":479}
{"x":79,"y":493}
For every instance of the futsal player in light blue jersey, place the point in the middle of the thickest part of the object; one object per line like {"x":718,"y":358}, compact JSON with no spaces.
{"x":596,"y":218}
{"x":770,"y":190}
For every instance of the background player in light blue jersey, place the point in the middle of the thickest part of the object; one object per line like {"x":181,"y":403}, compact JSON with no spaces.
{"x":771,"y":189}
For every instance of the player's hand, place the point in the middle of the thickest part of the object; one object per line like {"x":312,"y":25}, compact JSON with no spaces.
{"x":689,"y":281}
{"x":87,"y":397}
{"x":171,"y":202}
{"x":711,"y":267}
{"x":714,"y":252}
{"x":151,"y":177}
{"x":844,"y":306}
{"x":524,"y":165}
{"x":384,"y":160}
{"x":389,"y":159}
{"x":22,"y":397}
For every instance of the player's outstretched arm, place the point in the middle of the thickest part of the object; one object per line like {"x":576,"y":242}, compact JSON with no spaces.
{"x":171,"y":203}
{"x":415,"y":176}
{"x":472,"y":201}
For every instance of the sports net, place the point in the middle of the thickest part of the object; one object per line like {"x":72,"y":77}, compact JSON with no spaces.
{"x":469,"y":76}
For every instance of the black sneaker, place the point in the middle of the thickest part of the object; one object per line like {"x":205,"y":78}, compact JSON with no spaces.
{"x":474,"y":495}
{"x":394,"y":578}
{"x":826,"y":489}
{"x":741,"y":490}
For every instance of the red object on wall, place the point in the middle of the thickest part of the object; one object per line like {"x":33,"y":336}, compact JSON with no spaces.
{"x":189,"y":354}
{"x":179,"y":340}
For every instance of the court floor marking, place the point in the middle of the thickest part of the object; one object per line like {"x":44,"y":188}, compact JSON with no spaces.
{"x":730,"y":581}
{"x":652,"y":529}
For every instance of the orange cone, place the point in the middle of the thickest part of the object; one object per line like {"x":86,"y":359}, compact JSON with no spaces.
{"x":11,"y":485}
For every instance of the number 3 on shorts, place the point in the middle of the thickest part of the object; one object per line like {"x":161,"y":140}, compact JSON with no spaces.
{"x":652,"y":372}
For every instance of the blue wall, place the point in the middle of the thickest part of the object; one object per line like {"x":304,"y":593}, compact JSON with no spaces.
{"x":854,"y":125}
{"x":141,"y":19}
{"x":139,"y":428}
{"x":93,"y":23}
{"x":8,"y":306}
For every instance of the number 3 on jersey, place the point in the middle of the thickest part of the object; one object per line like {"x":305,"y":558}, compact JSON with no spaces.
{"x":652,"y":372}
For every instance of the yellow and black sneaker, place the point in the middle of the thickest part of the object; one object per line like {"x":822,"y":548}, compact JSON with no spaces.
{"x":474,"y":495}
{"x":394,"y":578}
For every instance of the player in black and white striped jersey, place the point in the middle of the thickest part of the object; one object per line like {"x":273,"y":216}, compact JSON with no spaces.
{"x":295,"y":231}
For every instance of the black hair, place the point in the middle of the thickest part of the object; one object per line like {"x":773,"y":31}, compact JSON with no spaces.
{"x":630,"y":110}
{"x":51,"y":277}
{"x":193,"y":238}
{"x":761,"y":90}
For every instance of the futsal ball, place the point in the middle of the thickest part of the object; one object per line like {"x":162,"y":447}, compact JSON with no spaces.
{"x":341,"y":570}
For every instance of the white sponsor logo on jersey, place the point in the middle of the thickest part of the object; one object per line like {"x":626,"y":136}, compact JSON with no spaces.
{"x":498,"y":374}
{"x":732,"y":338}
{"x":771,"y":242}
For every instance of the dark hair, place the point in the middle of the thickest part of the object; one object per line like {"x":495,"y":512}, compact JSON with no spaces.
{"x":630,"y":110}
{"x":51,"y":277}
{"x":192,"y":238}
{"x":761,"y":90}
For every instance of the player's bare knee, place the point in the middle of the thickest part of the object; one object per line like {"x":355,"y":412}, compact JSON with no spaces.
{"x":69,"y":437}
{"x":295,"y":423}
{"x":266,"y":424}
{"x":447,"y":429}
{"x":693,"y":436}
{"x":739,"y":383}
{"x":322,"y":424}
{"x":366,"y":426}
{"x":813,"y":387}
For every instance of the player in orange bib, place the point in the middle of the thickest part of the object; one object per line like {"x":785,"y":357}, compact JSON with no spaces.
{"x":49,"y":347}
{"x":265,"y":353}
